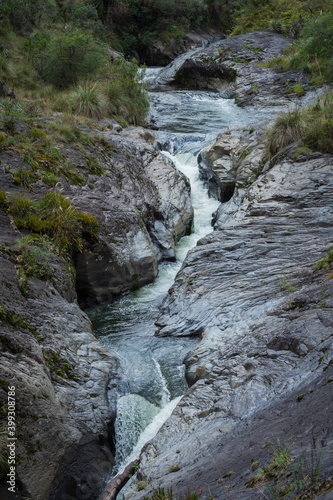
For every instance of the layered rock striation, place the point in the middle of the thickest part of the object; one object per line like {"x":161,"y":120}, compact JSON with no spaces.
{"x":261,"y":306}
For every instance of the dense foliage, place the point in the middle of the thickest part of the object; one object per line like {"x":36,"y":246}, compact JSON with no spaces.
{"x":313,"y":53}
{"x":55,"y":53}
{"x":138,"y":22}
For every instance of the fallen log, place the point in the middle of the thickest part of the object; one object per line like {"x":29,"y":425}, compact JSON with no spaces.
{"x":113,"y":487}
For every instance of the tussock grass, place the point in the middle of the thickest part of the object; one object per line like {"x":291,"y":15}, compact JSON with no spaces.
{"x":89,"y":99}
{"x":313,"y":126}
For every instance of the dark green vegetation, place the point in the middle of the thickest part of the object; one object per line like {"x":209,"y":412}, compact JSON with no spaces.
{"x":53,"y":216}
{"x":312,"y":126}
{"x":55,"y":55}
{"x":138,"y":22}
{"x":313,"y":52}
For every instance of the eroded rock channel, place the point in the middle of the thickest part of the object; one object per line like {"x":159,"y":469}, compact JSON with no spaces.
{"x":247,"y":306}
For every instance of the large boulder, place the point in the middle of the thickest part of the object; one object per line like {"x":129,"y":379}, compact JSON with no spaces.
{"x":231,"y":67}
{"x":160,"y":53}
{"x":141,"y":201}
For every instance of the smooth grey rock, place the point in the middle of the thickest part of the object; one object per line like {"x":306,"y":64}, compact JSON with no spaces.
{"x":263,"y":316}
{"x":65,"y":382}
{"x":230,"y":66}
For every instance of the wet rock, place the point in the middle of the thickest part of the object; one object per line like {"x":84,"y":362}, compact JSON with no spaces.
{"x":231,"y":66}
{"x":65,"y":382}
{"x":197,"y":74}
{"x":143,"y":207}
{"x":262,"y":313}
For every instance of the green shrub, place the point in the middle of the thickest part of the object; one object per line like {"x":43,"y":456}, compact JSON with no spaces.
{"x":25,"y":14}
{"x":282,"y":16}
{"x":68,"y":57}
{"x":84,"y":15}
{"x":127,"y":95}
{"x":11,"y":112}
{"x":89,"y":100}
{"x":3,"y":199}
{"x":19,"y":206}
{"x":313,"y":52}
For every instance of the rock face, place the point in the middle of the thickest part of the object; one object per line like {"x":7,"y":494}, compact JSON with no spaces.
{"x":143,"y":207}
{"x":261,"y":373}
{"x":142,"y":204}
{"x":66,"y":383}
{"x":159,"y":53}
{"x":229,"y":66}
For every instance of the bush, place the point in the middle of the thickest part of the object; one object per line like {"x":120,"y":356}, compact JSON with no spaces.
{"x":89,"y":100}
{"x":127,"y":94}
{"x":25,"y":14}
{"x":84,"y":15}
{"x":69,"y":57}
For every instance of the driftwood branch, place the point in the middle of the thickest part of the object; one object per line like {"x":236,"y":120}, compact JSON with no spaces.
{"x":118,"y":482}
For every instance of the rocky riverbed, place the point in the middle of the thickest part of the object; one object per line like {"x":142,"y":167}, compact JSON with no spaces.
{"x":260,"y":376}
{"x":252,"y":292}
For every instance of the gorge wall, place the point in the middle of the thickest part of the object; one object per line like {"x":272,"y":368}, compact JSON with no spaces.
{"x":254,"y":295}
{"x":66,"y":383}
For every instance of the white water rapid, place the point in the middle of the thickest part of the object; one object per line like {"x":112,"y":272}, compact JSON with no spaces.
{"x":152,"y":369}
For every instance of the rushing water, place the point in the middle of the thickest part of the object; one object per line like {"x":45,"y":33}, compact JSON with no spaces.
{"x":151,"y":367}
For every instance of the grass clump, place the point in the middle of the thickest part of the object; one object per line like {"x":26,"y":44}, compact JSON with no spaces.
{"x":89,"y":100}
{"x":280,"y":461}
{"x":326,"y":261}
{"x":285,"y":131}
{"x":37,"y":253}
{"x":127,"y":94}
{"x":55,"y":217}
{"x":11,"y":111}
{"x":313,"y":126}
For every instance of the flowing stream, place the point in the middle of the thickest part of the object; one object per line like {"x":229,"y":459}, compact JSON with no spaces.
{"x":151,"y":367}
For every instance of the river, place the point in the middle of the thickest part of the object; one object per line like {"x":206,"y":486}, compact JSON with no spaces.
{"x":152,"y":368}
